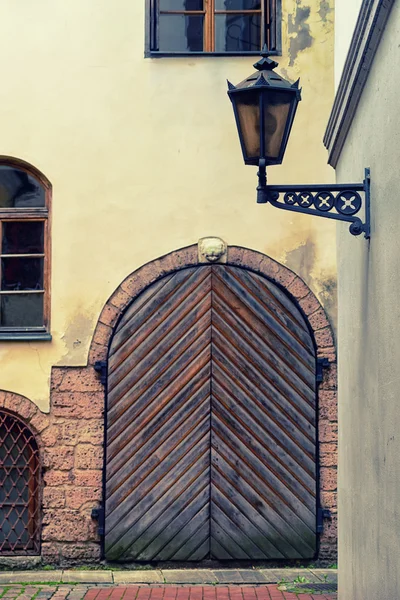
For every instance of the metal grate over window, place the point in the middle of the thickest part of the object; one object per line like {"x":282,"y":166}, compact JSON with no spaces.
{"x":19,"y":488}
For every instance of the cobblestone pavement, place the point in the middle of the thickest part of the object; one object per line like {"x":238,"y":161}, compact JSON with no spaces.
{"x":154,"y":592}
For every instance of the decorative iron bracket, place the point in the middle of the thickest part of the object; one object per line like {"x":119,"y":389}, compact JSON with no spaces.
{"x":338,"y":201}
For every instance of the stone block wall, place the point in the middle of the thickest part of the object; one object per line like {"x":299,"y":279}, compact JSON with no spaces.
{"x":70,"y":440}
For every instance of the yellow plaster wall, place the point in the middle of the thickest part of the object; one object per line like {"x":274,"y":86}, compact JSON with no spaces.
{"x":144,"y":158}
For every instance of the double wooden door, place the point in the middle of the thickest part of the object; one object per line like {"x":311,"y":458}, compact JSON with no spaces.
{"x":211,"y":415}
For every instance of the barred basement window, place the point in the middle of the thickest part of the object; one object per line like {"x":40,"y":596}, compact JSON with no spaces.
{"x":212,"y":26}
{"x":19,"y":488}
{"x":24,"y":252}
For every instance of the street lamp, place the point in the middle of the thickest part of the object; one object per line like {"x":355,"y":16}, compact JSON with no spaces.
{"x":264,"y":106}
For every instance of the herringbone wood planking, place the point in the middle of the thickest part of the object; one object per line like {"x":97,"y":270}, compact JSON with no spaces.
{"x":211,"y":422}
{"x":263,"y":477}
{"x":158,"y":435}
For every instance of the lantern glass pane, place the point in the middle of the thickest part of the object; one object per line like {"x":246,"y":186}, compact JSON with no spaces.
{"x":276,"y":113}
{"x":248,"y":110}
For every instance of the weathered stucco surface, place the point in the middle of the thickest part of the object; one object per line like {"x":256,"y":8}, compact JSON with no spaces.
{"x":369,"y":343}
{"x":144,"y":158}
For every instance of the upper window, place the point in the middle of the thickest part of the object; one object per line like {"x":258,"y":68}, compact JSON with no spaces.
{"x":24,"y":253}
{"x":212,"y":26}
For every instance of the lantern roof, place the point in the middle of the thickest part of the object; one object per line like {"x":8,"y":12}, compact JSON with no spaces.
{"x":265,"y":76}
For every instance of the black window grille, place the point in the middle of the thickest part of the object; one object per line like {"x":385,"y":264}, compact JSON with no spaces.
{"x":19,"y":488}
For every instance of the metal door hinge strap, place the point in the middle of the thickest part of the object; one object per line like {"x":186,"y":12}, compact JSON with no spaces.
{"x":322,"y":513}
{"x":100,"y":366}
{"x":98,"y":515}
{"x":322,"y":363}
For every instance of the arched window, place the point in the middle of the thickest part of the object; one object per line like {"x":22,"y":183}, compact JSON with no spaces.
{"x":24,"y":252}
{"x":19,"y":488}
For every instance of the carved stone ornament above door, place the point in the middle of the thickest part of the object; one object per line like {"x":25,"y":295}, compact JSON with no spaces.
{"x":212,"y":250}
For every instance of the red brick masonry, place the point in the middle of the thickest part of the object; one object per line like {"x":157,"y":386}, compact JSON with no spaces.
{"x":70,"y":437}
{"x":231,"y":592}
{"x":134,"y":592}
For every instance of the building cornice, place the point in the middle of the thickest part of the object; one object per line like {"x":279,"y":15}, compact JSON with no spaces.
{"x":366,"y":37}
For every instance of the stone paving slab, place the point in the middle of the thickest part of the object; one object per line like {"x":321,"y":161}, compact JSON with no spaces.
{"x":328,"y":575}
{"x":87,"y":576}
{"x":229,"y":576}
{"x":188,"y":576}
{"x":138,"y":577}
{"x":276,"y":575}
{"x":29,"y":576}
{"x":252,"y":576}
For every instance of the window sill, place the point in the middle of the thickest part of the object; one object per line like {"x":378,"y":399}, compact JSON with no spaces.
{"x":25,"y":336}
{"x":160,"y":54}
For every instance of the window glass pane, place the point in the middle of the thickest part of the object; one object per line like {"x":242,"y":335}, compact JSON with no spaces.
{"x":181,"y":5}
{"x":237,"y":4}
{"x":21,"y":274}
{"x":181,"y":33}
{"x":23,"y":237}
{"x":235,"y":33}
{"x":19,"y":190}
{"x":21,"y":310}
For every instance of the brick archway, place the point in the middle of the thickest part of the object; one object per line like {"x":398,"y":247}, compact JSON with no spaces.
{"x":135,"y":283}
{"x":319,"y":325}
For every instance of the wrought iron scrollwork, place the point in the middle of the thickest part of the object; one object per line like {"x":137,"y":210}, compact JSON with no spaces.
{"x":336,"y":201}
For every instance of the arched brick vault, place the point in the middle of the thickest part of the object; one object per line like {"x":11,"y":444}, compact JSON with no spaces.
{"x":71,"y":435}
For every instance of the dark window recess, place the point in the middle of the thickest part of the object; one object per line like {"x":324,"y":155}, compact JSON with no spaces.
{"x":19,"y":488}
{"x":215,"y":26}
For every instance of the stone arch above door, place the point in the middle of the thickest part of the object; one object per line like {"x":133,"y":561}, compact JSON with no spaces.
{"x":319,"y":326}
{"x":245,"y":258}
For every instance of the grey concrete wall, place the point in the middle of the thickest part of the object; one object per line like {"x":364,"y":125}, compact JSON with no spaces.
{"x":369,"y":343}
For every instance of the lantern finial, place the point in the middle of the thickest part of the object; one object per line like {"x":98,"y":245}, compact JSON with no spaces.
{"x":265,"y":63}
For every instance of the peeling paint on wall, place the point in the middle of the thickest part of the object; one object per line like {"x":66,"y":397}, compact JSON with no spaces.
{"x":78,"y":332}
{"x":328,"y":297}
{"x":324,"y":9}
{"x":301,"y":38}
{"x":302,"y":260}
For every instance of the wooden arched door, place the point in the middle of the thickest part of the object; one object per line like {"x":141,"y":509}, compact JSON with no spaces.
{"x":211,"y":422}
